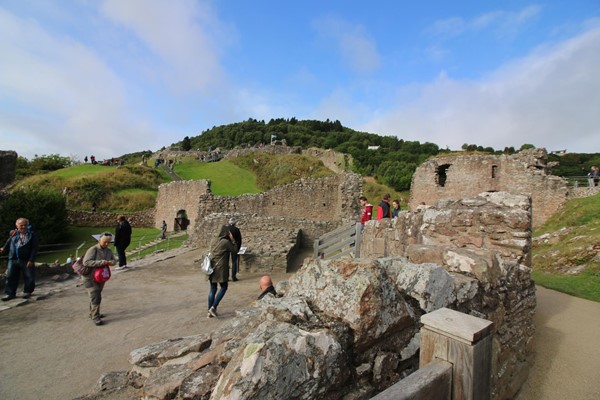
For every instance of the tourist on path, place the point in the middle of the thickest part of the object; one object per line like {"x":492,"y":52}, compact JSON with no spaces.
{"x":122,"y":240}
{"x":220,"y":258}
{"x":97,"y":256}
{"x":22,"y":246}
{"x":163,"y":229}
{"x":235,"y":257}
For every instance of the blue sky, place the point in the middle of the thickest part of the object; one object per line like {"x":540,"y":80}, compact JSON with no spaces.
{"x":110,"y":77}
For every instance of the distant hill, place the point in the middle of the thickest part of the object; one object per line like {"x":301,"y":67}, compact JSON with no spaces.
{"x":388,"y":158}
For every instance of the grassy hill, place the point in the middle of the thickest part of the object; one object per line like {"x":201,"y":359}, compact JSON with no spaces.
{"x":566,"y":251}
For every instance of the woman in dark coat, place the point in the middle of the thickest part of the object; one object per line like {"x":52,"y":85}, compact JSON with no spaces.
{"x":220,"y":257}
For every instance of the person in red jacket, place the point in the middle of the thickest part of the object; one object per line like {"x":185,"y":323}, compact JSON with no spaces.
{"x":367,"y":212}
{"x":384,"y":210}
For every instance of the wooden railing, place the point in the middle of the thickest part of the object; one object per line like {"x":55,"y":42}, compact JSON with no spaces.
{"x":343,"y":241}
{"x":455,"y":360}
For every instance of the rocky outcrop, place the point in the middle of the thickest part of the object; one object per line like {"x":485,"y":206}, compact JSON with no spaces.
{"x":349,"y":328}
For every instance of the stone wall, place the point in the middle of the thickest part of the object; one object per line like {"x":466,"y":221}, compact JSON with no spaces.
{"x":8,"y":166}
{"x":142,"y":219}
{"x":303,"y":210}
{"x":484,"y":244}
{"x":455,"y":177}
{"x":180,"y":195}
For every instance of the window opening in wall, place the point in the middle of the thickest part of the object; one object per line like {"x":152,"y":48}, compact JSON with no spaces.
{"x":441,"y":174}
{"x":494,"y":171}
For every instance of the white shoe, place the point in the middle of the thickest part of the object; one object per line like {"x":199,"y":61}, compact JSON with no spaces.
{"x":121,"y":268}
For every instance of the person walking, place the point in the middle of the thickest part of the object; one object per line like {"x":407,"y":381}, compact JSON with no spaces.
{"x":220,"y":256}
{"x":22,"y":246}
{"x":122,"y":240}
{"x":97,"y":256}
{"x":235,"y":257}
{"x":163,"y":229}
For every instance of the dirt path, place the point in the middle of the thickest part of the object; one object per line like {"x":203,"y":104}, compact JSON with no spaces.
{"x":49,"y":349}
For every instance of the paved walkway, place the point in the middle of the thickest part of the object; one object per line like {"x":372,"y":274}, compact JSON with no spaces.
{"x":567,"y":364}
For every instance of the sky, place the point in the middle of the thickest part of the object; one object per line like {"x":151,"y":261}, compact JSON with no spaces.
{"x":111,"y":77}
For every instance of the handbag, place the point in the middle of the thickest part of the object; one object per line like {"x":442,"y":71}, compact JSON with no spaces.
{"x":207,"y":266}
{"x":102,"y":274}
{"x":79,"y":268}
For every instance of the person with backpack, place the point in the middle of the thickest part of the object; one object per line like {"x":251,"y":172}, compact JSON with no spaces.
{"x":122,"y":240}
{"x":22,"y":246}
{"x":384,"y":210}
{"x":97,"y":257}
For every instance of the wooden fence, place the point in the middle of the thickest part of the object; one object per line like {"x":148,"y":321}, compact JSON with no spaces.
{"x":455,"y":360}
{"x":343,"y":241}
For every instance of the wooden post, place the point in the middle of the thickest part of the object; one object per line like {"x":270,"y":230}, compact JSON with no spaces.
{"x":464,"y":341}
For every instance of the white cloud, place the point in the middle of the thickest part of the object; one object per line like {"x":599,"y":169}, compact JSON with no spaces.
{"x":504,"y":23}
{"x":181,"y":34}
{"x":356,"y":47}
{"x":550,"y":99}
{"x":62,"y":96}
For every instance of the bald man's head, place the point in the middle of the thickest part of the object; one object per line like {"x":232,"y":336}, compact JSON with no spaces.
{"x":265,"y":282}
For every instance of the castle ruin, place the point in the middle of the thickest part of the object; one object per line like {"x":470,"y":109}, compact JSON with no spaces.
{"x":456,"y":176}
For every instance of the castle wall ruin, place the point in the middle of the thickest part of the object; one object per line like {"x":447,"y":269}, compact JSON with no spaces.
{"x":455,"y":177}
{"x":274,"y":224}
{"x":484,"y":244}
{"x":8,"y":167}
{"x":349,"y":328}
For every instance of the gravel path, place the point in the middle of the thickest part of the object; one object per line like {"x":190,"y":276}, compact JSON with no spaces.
{"x":49,"y":349}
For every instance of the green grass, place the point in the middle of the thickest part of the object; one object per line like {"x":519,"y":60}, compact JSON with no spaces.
{"x":78,"y":170}
{"x":227,"y":179}
{"x":81,"y":237}
{"x":574,"y":242}
{"x":586,"y":285}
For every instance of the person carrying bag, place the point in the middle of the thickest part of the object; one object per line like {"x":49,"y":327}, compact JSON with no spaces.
{"x":99,"y":258}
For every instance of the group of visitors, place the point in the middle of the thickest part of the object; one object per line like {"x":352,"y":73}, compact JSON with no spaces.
{"x":384,"y":209}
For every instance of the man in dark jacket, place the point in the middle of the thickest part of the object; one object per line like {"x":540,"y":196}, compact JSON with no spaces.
{"x":122,"y":240}
{"x":23,"y":248}
{"x":235,"y":258}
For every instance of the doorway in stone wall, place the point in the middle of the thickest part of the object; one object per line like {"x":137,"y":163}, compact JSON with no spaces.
{"x":441,"y":174}
{"x":181,"y":221}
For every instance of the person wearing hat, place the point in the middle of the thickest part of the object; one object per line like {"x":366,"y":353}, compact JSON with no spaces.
{"x":235,"y":258}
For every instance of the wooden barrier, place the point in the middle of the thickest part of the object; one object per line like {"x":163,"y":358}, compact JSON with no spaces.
{"x":455,"y":341}
{"x":343,"y":241}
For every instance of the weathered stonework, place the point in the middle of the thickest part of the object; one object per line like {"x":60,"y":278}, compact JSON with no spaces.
{"x":180,"y":195}
{"x":455,"y":177}
{"x":8,"y":167}
{"x":141,"y":219}
{"x":274,"y":224}
{"x":483,"y":245}
{"x":347,"y":329}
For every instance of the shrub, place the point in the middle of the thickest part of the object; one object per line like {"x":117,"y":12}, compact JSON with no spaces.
{"x":45,"y":209}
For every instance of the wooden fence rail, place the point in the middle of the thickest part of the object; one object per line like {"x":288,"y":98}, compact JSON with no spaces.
{"x":455,"y":360}
{"x":343,"y":241}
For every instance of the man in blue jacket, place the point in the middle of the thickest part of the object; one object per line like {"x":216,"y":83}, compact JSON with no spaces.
{"x":22,"y":248}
